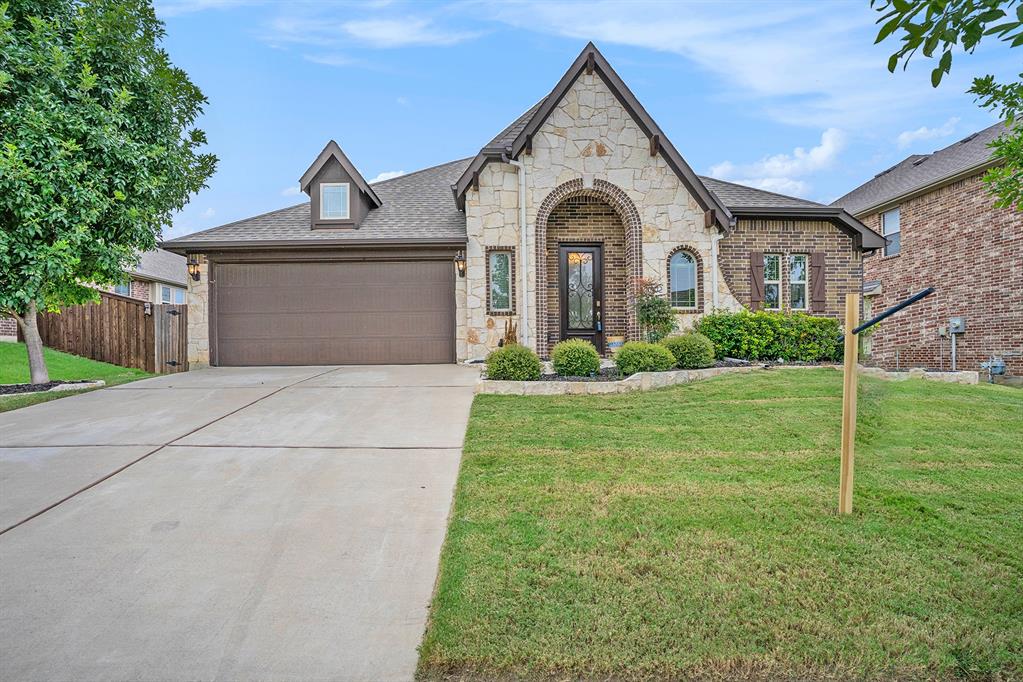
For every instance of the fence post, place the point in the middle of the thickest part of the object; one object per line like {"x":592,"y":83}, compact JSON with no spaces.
{"x":852,"y":315}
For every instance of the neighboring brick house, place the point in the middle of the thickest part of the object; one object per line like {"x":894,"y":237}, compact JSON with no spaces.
{"x":944,"y":232}
{"x":552,"y":227}
{"x":159,"y":277}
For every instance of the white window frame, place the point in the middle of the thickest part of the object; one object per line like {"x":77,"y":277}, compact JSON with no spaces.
{"x":348,"y":200}
{"x":164,"y":289}
{"x":696,"y":280}
{"x":805,"y":282}
{"x":184,"y":296}
{"x":127,"y":289}
{"x":776,"y":282}
{"x":886,"y":233}
{"x":490,"y":283}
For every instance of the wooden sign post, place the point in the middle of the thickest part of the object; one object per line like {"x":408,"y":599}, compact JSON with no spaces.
{"x":852,"y":319}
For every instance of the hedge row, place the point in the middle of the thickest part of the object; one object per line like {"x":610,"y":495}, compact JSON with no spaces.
{"x":762,"y":335}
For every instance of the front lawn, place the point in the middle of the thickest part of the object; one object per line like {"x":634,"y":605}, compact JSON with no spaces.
{"x":62,"y":366}
{"x":692,"y":531}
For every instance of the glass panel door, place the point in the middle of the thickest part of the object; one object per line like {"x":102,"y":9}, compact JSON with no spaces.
{"x":580,"y":295}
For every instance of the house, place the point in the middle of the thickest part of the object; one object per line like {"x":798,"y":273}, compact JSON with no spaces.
{"x":550,"y":227}
{"x":943,"y":231}
{"x":159,"y":277}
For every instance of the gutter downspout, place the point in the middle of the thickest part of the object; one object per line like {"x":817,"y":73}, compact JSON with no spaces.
{"x":714,"y":239}
{"x":524,"y":258}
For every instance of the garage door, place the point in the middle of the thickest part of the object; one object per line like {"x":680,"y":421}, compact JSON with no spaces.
{"x":374,"y":312}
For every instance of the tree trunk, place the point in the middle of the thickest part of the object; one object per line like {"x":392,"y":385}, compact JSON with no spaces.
{"x":34,"y":345}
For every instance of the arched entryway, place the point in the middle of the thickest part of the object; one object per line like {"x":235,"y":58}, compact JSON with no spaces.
{"x":589,"y":262}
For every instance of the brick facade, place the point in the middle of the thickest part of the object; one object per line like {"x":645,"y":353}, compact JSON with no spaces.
{"x":842,"y":262}
{"x":588,"y":219}
{"x":8,"y":326}
{"x":955,"y":240}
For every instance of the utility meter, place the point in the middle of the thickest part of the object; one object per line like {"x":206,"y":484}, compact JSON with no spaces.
{"x":956,"y":325}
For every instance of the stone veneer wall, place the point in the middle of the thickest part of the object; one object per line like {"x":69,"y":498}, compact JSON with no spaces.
{"x":842,"y":263}
{"x":588,"y":219}
{"x":955,"y":240}
{"x":198,"y":317}
{"x":588,"y":136}
{"x":8,"y":326}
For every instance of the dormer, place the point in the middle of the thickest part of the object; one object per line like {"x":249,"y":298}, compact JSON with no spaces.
{"x":339,"y":197}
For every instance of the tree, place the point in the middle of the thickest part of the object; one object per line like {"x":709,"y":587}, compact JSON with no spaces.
{"x":939,"y":26}
{"x":97,"y":151}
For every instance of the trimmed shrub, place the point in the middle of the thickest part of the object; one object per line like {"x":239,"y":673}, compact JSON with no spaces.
{"x":513,"y":363}
{"x":763,"y":335}
{"x":640,"y":356}
{"x":575,"y":358}
{"x":653,"y":311}
{"x":692,"y":350}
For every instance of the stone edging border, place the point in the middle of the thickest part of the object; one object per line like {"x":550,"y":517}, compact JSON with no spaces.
{"x":99,"y":383}
{"x":644,"y":381}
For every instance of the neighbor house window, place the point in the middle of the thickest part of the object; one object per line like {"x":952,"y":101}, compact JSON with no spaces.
{"x":891,"y":230}
{"x":123,"y":289}
{"x":499,"y":266}
{"x":179,"y":296}
{"x":334,"y":201}
{"x":797,"y":281}
{"x":772,"y":281}
{"x":682,"y":278}
{"x":165,"y":294}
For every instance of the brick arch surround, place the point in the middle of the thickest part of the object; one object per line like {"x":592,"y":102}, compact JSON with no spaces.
{"x":622,"y":205}
{"x":694,"y":252}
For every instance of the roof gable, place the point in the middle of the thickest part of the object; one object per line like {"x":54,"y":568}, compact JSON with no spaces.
{"x":333,"y":151}
{"x":518,"y":136}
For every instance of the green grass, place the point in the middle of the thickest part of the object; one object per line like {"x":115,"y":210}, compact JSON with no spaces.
{"x":62,"y":366}
{"x":692,"y":532}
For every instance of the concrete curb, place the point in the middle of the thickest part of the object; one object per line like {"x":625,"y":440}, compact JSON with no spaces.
{"x":64,"y":387}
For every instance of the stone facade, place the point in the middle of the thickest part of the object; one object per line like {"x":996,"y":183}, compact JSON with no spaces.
{"x":955,"y":240}
{"x":842,"y":266}
{"x":198,"y":317}
{"x":589,"y":140}
{"x":8,"y":327}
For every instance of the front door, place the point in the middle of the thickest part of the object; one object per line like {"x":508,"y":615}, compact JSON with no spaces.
{"x":580,"y":282}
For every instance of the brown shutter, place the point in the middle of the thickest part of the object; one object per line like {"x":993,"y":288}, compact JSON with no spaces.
{"x":818,"y":282}
{"x":756,"y":279}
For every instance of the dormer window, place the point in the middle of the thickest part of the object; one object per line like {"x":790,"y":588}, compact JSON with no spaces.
{"x":334,"y":203}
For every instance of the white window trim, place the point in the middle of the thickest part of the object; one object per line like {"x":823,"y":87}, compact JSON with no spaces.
{"x":696,"y":280}
{"x":170,"y":294}
{"x":805,"y":281}
{"x":773,"y":281}
{"x":885,"y":233}
{"x":490,"y":282}
{"x":348,"y":202}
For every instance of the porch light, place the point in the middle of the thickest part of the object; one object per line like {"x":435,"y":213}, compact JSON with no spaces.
{"x":460,"y":263}
{"x":193,"y":267}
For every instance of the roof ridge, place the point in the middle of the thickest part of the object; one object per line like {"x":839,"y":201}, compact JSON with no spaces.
{"x":757,"y":189}
{"x":421,"y":170}
{"x":233,"y":222}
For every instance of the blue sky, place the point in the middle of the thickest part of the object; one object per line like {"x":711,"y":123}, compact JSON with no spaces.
{"x":788,"y":96}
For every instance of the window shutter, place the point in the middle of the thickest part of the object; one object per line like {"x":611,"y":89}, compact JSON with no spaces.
{"x":756,"y":279}
{"x":818,"y":282}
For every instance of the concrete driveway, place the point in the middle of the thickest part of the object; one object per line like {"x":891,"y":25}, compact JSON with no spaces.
{"x":235,"y":523}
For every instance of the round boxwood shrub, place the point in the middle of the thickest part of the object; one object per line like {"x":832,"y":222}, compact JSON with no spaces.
{"x":575,"y":358}
{"x":691,"y":351}
{"x":513,"y":363}
{"x":640,"y":356}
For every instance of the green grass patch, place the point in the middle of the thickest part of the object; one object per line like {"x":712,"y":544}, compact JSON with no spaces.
{"x":62,"y":366}
{"x":692,"y":531}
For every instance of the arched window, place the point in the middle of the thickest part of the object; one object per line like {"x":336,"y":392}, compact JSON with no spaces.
{"x":682,"y":279}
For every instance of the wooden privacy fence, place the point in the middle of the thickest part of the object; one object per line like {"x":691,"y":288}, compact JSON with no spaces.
{"x":122,"y":331}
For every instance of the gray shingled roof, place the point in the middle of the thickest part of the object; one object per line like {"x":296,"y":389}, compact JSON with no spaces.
{"x":162,"y":266}
{"x":505,"y":138}
{"x":418,"y":205}
{"x":921,"y":170}
{"x":740,"y":196}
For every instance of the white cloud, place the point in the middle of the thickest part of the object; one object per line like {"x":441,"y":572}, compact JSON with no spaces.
{"x":781,"y":172}
{"x":320,"y":29}
{"x":209,"y":212}
{"x":330,"y":59}
{"x":908,"y":137}
{"x":402,"y":101}
{"x":403,"y":32}
{"x":387,"y":175}
{"x":291,"y":191}
{"x":173,"y":8}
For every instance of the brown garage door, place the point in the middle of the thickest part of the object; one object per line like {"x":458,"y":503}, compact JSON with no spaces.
{"x":341,"y":313}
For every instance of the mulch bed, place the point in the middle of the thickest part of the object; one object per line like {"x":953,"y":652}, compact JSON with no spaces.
{"x":13,"y":389}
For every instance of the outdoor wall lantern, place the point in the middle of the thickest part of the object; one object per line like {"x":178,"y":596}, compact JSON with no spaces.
{"x":460,"y":263}
{"x":193,"y":267}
